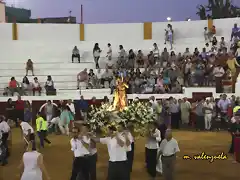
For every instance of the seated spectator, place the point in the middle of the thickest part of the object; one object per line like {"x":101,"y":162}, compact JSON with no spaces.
{"x":159,"y":88}
{"x":187,"y":53}
{"x":36,"y":86}
{"x":25,"y":85}
{"x":222,"y":43}
{"x":82,"y":77}
{"x":14,"y":86}
{"x":49,"y":86}
{"x":92,"y":79}
{"x":214,"y":42}
{"x":29,"y":67}
{"x":139,"y":59}
{"x":121,"y":62}
{"x":235,"y":32}
{"x":208,"y":48}
{"x":150,"y":61}
{"x":96,"y":54}
{"x":75,"y":54}
{"x":155,"y":53}
{"x":106,"y":77}
{"x":131,"y":59}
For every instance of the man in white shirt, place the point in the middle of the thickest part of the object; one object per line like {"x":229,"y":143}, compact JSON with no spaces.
{"x":81,"y":156}
{"x":168,"y":149}
{"x":92,"y":149}
{"x":208,"y":112}
{"x":151,"y":148}
{"x":117,"y":149}
{"x":27,"y":131}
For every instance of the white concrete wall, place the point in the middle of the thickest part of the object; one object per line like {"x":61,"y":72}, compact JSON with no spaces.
{"x":5,"y":32}
{"x":114,"y":32}
{"x":49,"y":32}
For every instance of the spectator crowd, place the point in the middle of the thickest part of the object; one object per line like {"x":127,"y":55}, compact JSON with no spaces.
{"x":216,"y":64}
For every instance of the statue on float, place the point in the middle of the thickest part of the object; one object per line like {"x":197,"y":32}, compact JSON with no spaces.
{"x":120,"y":97}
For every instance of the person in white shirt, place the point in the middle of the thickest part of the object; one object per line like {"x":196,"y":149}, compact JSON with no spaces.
{"x":27,"y":132}
{"x":208,"y":112}
{"x":75,"y":53}
{"x":4,"y":130}
{"x":168,"y":149}
{"x":218,"y":73}
{"x":96,"y":54}
{"x":117,"y":143}
{"x":36,"y":86}
{"x":81,"y":156}
{"x":70,"y":104}
{"x":151,"y":148}
{"x":85,"y":131}
{"x":109,"y":52}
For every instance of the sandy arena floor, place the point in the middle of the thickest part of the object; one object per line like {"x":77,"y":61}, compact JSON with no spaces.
{"x":58,"y":158}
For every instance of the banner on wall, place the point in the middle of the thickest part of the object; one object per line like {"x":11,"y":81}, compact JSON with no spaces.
{"x":2,"y":12}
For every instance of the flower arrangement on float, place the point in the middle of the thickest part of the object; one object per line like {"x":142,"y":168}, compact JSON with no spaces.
{"x":139,"y":114}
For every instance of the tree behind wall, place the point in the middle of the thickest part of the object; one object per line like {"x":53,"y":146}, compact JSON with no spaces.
{"x":218,"y":9}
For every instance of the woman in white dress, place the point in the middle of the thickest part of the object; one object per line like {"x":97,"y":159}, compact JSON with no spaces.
{"x":32,"y":163}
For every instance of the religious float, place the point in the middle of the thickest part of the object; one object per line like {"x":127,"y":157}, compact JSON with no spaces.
{"x":121,"y":111}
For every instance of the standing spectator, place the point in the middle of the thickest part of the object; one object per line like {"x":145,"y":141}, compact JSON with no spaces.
{"x":206,"y":34}
{"x":64,"y":121}
{"x":82,"y":77}
{"x":218,"y":73}
{"x":222,"y":43}
{"x":49,"y":86}
{"x":235,"y":31}
{"x":96,"y":54}
{"x":36,"y":86}
{"x":49,"y":110}
{"x":175,"y":113}
{"x":71,"y":105}
{"x":223,"y":105}
{"x":75,"y":53}
{"x":109,"y":52}
{"x":25,"y":85}
{"x":82,"y":105}
{"x":185,"y":108}
{"x":200,"y":116}
{"x":20,"y":109}
{"x":14,"y":86}
{"x":10,"y":111}
{"x":169,"y":35}
{"x":131,"y":59}
{"x":28,"y":112}
{"x":29,"y":67}
{"x":121,"y":62}
{"x":208,"y":114}
{"x":139,"y":59}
